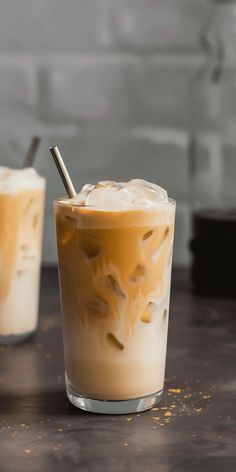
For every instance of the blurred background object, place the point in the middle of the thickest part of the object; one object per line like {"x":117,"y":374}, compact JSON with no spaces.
{"x":212,"y":155}
{"x":107,"y":82}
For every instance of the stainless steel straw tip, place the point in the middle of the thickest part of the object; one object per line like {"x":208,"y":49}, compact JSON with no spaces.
{"x":63,"y":171}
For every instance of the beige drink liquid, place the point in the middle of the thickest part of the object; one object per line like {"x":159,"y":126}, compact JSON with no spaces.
{"x":21,"y":209}
{"x":115,"y":267}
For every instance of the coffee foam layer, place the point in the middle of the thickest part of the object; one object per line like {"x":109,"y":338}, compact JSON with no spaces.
{"x":110,"y":195}
{"x":16,"y":180}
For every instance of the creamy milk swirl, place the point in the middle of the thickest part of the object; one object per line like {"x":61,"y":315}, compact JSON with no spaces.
{"x":21,"y":209}
{"x":115,"y":245}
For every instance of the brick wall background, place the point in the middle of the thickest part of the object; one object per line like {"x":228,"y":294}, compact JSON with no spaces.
{"x":106,"y":80}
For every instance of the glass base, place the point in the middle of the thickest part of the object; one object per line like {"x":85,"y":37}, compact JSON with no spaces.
{"x":110,"y":407}
{"x":15,"y":338}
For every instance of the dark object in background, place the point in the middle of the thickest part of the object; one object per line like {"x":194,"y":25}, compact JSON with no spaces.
{"x":214,"y":252}
{"x":212,"y":151}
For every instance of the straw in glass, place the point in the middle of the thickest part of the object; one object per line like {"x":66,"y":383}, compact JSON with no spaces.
{"x":32,"y":151}
{"x":63,"y":171}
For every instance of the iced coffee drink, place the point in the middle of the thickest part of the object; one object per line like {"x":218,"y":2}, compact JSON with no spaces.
{"x":115,"y":245}
{"x":21,"y":210}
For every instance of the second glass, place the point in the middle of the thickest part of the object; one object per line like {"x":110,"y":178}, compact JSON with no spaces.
{"x":22,"y":211}
{"x":115,"y":271}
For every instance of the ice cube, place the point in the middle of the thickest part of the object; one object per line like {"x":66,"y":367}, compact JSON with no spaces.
{"x":110,"y":195}
{"x":146,"y":193}
{"x":109,"y":198}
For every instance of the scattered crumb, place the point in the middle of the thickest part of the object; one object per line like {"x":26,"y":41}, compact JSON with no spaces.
{"x":188,"y":395}
{"x":206,"y":396}
{"x":156,"y":417}
{"x":129,"y":419}
{"x":155,"y":409}
{"x":174,"y":390}
{"x":27,"y":451}
{"x":60,"y":429}
{"x":125,"y":444}
{"x":49,"y":323}
{"x":168,"y":413}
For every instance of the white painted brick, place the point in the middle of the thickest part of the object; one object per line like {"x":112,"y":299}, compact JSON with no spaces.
{"x":158,"y":87}
{"x":181,"y":254}
{"x":85,"y":26}
{"x":17,"y":122}
{"x":160,"y":154}
{"x":153,"y":90}
{"x":83,"y":88}
{"x":157,"y":25}
{"x":18,"y":82}
{"x":12,"y":151}
{"x":49,"y":255}
{"x":53,"y":26}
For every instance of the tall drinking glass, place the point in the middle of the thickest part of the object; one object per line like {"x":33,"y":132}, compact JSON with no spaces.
{"x":22,"y":210}
{"x":114,"y":271}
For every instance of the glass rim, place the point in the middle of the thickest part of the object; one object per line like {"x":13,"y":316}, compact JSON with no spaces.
{"x":63,"y":202}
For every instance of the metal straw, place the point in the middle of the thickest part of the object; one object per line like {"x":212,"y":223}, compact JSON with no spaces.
{"x":32,"y":151}
{"x":63,"y":171}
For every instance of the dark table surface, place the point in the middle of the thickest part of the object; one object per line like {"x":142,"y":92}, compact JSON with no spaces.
{"x":192,"y":429}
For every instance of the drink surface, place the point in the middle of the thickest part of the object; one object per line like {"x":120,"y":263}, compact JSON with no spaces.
{"x":114,"y":265}
{"x":21,"y":208}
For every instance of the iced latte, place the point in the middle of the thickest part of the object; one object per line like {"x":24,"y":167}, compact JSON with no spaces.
{"x":115,"y":251}
{"x":21,"y":210}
